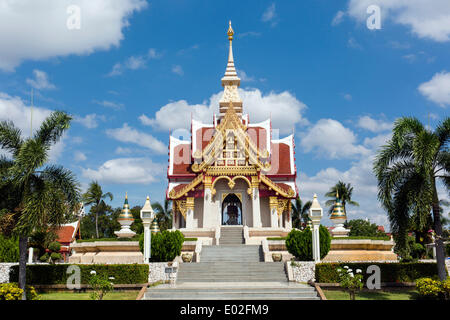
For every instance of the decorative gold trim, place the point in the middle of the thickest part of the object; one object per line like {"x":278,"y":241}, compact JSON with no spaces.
{"x":183,"y":192}
{"x":181,"y":206}
{"x":255,"y":182}
{"x":231,"y":183}
{"x":190,"y":203}
{"x":207,"y":181}
{"x":225,"y":194}
{"x":232,"y":171}
{"x":282,"y":204}
{"x":273,"y":203}
{"x":272,"y":185}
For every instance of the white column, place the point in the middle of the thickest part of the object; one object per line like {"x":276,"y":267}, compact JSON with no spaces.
{"x":288,"y":220}
{"x":209,"y":212}
{"x":273,"y":203}
{"x":316,"y":243}
{"x":147,"y":243}
{"x":190,"y":213}
{"x":256,"y":208}
{"x":30,"y":255}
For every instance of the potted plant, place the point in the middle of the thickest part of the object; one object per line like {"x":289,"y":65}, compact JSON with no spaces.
{"x":277,"y":257}
{"x":187,"y":257}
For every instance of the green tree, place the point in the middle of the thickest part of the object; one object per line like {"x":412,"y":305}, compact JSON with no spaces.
{"x":163,"y":214}
{"x":345,"y":194}
{"x":407,"y":169}
{"x":95,"y":197}
{"x":360,"y":227}
{"x":41,"y":196}
{"x":300,"y":212}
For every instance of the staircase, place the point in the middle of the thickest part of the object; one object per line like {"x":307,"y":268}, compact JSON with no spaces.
{"x":232,"y":271}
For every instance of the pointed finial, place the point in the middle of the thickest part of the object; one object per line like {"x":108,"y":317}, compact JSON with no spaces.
{"x":148,"y":198}
{"x":230,"y":32}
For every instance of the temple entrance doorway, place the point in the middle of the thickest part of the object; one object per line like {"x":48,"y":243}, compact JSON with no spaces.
{"x":231,"y":210}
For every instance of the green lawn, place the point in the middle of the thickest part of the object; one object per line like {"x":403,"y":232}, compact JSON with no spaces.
{"x":403,"y":294}
{"x":116,"y":295}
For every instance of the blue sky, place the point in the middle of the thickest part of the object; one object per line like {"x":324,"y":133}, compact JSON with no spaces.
{"x":135,"y":70}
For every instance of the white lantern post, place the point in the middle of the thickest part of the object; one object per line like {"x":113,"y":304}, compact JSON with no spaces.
{"x":315,"y":214}
{"x":147,"y":216}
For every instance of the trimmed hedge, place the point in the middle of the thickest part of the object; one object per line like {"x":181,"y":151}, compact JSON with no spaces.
{"x":56,"y":274}
{"x":390,"y":272}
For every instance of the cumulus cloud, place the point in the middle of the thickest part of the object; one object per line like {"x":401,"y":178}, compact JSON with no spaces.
{"x":284,"y":109}
{"x":360,"y":175}
{"x":14,"y":109}
{"x":37,"y":30}
{"x":328,"y":138}
{"x":338,"y":18}
{"x":437,"y":89}
{"x":373,"y":125}
{"x":79,"y":156}
{"x":40,"y":81}
{"x":126,"y":171}
{"x":89,"y":121}
{"x":426,"y":19}
{"x":128,"y":134}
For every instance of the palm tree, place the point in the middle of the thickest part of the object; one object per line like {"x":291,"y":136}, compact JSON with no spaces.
{"x":94,"y":196}
{"x":300,"y":212}
{"x":345,"y":192}
{"x":163,"y":214}
{"x":407,"y":169}
{"x":40,"y":196}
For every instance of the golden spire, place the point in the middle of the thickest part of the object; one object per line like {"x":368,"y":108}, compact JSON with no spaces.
{"x":230,"y":32}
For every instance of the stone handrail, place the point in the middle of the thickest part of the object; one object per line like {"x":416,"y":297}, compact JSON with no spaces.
{"x":246,"y":235}
{"x":198,"y":250}
{"x":217,"y":235}
{"x":266,"y":251}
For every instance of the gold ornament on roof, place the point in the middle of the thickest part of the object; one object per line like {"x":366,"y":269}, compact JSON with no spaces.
{"x":230,"y":32}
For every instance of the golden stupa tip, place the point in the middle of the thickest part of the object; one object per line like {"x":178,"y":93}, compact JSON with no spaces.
{"x":148,"y":198}
{"x":230,"y":32}
{"x":126,"y":194}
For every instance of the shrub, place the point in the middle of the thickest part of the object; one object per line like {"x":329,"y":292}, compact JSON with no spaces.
{"x":390,"y":272}
{"x":9,"y":249}
{"x":165,"y":245}
{"x":350,"y":281}
{"x":56,"y":273}
{"x":299,"y":243}
{"x":100,"y":285}
{"x":429,"y":288}
{"x":11,"y":291}
{"x":54,"y":246}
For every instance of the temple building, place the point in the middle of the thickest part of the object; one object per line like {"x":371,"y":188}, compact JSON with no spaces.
{"x":231,"y":172}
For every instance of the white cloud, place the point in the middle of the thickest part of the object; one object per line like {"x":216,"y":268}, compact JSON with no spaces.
{"x":338,"y":18}
{"x":269,"y":15}
{"x":328,"y":138}
{"x":437,"y":89}
{"x":244,"y":77}
{"x":40,"y":81}
{"x":177,"y":70}
{"x":348,"y":97}
{"x":126,"y":171}
{"x":79,"y":156}
{"x":134,"y":63}
{"x":128,"y":134}
{"x":37,"y":30}
{"x":373,"y":125}
{"x":120,"y":150}
{"x":14,"y":109}
{"x":352,"y":43}
{"x":284,"y":109}
{"x":427,"y":19}
{"x":90,"y":121}
{"x":109,"y":104}
{"x":360,"y":175}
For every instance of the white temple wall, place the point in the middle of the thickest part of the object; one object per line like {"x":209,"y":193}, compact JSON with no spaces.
{"x":265,"y":212}
{"x":198,"y":211}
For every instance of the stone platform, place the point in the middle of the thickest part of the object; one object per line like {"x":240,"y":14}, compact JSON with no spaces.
{"x":106,"y":252}
{"x":360,"y":250}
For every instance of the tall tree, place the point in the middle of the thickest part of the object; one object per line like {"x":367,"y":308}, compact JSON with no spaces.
{"x":163,"y":214}
{"x":40,"y":196}
{"x":300,"y":212}
{"x":95,"y":197}
{"x":407,"y":169}
{"x":345,"y":192}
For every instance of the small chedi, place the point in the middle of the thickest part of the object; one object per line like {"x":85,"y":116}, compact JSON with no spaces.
{"x":126,"y":220}
{"x":338,"y":216}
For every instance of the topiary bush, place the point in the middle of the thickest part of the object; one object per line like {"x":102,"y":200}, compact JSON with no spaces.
{"x":299,"y":243}
{"x":166,"y":245}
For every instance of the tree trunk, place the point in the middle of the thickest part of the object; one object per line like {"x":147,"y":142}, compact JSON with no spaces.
{"x":440,"y":255}
{"x":23,"y":243}
{"x":96,"y":223}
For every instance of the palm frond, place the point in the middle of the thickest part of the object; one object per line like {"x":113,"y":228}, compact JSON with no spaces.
{"x":52,"y":128}
{"x":10,"y":137}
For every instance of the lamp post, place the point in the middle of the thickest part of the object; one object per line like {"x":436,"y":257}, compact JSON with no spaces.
{"x":147,"y":216}
{"x":315,"y":215}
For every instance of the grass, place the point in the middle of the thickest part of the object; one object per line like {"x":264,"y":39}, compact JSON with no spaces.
{"x":397,"y":294}
{"x":116,"y":295}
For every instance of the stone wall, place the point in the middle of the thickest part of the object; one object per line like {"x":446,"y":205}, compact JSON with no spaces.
{"x":157,"y":272}
{"x":4,"y":271}
{"x":303,"y":271}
